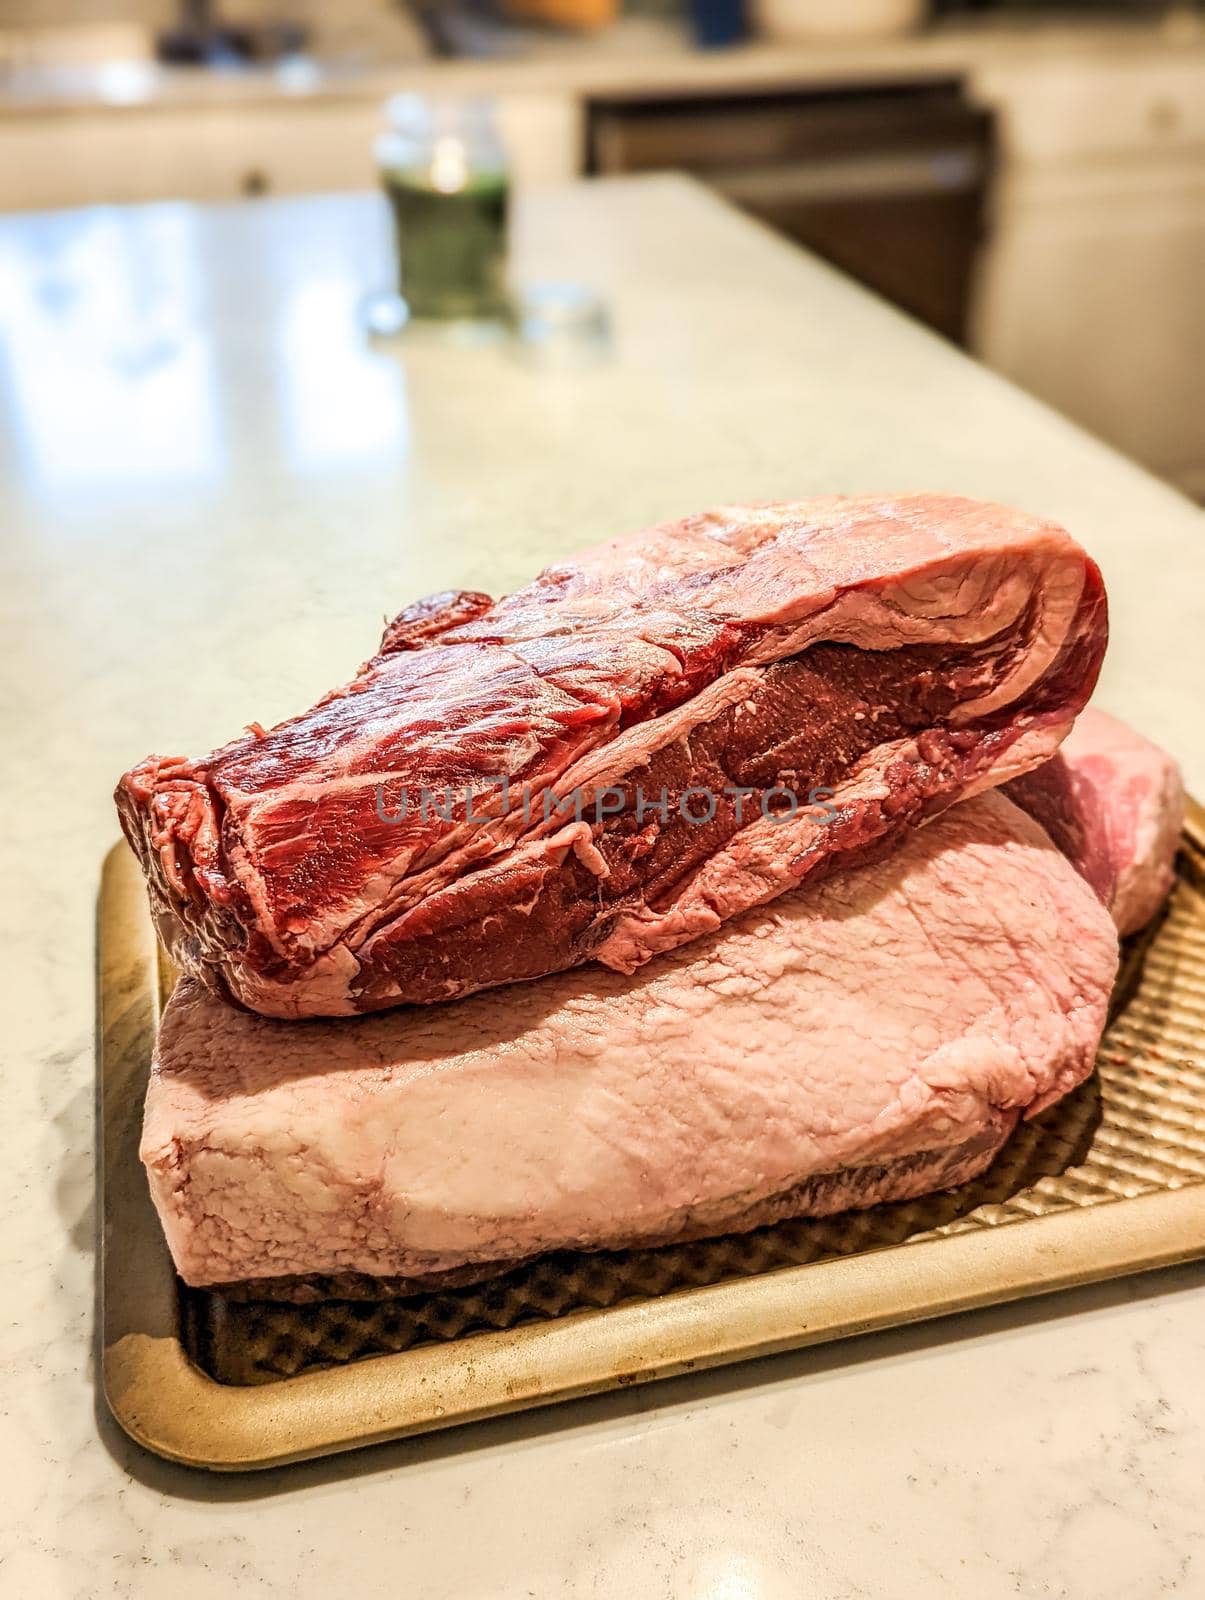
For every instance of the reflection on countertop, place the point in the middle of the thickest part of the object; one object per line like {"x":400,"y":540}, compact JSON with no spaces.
{"x":115,"y":384}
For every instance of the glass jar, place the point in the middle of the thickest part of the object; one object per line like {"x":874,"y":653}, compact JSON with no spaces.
{"x":445,"y":173}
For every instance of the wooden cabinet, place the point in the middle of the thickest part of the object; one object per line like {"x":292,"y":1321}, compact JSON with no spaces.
{"x":889,"y":184}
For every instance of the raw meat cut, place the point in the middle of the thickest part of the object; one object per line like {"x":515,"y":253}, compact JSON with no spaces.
{"x":870,"y":1037}
{"x":1113,"y":802}
{"x":648,"y":739}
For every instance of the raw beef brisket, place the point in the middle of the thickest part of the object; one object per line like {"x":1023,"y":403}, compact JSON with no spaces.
{"x":644,"y":730}
{"x":871,"y":1037}
{"x":1113,"y":802}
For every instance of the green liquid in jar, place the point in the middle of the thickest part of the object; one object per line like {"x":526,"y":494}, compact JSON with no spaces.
{"x":451,"y":245}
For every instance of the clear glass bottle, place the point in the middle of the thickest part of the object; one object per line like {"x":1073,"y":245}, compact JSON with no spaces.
{"x":446,"y":176}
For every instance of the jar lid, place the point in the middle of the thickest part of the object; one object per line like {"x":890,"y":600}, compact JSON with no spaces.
{"x":419,"y":123}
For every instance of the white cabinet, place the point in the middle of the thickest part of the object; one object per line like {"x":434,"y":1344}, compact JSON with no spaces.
{"x":1093,"y":289}
{"x":161,"y":153}
{"x":220,"y":151}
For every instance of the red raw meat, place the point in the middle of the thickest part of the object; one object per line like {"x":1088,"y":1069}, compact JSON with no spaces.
{"x":1113,"y":802}
{"x":690,"y":688}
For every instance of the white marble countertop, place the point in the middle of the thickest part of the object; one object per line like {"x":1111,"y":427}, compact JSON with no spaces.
{"x":637,"y":57}
{"x":212,"y":491}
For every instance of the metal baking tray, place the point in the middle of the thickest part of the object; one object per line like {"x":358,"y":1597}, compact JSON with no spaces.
{"x":1110,"y":1181}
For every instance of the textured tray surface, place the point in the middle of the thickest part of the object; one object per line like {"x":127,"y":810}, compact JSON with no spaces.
{"x":1138,"y":1125}
{"x":1137,"y":1128}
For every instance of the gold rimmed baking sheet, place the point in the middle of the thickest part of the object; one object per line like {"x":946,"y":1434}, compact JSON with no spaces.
{"x":1111,"y":1181}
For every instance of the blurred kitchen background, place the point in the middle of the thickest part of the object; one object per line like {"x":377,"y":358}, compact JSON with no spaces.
{"x":1027,"y":179}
